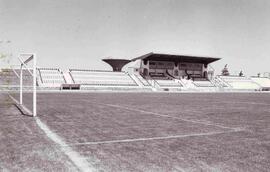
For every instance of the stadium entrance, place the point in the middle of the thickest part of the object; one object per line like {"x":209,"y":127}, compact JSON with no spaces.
{"x":175,"y":66}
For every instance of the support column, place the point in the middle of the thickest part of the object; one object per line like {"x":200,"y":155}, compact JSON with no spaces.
{"x":34,"y":85}
{"x":21,"y":84}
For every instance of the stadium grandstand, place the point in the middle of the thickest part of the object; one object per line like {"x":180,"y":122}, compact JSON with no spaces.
{"x":153,"y":72}
{"x":172,"y":72}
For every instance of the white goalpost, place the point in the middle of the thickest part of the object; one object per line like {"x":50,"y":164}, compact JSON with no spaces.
{"x":25,"y":59}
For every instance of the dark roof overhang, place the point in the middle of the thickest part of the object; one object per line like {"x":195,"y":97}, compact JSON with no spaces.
{"x":176,"y":58}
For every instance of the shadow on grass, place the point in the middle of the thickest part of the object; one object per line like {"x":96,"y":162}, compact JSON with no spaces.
{"x":23,"y":112}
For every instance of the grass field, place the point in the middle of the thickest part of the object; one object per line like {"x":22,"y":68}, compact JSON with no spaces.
{"x":137,"y":132}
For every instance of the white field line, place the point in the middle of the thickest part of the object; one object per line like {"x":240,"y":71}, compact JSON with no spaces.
{"x":79,"y":161}
{"x":168,"y":116}
{"x":75,"y":157}
{"x":155,"y":138}
{"x":251,"y":103}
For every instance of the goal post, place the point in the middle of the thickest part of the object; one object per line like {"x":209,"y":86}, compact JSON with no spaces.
{"x":25,"y":59}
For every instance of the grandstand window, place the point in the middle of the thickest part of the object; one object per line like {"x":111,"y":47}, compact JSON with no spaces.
{"x":145,"y":62}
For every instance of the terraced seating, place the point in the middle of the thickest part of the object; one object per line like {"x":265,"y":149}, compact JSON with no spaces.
{"x":167,"y":83}
{"x":101,"y":78}
{"x":203,"y":82}
{"x":157,"y":75}
{"x":142,"y":80}
{"x":51,"y":77}
{"x":238,"y":82}
{"x":219,"y":82}
{"x":163,"y":80}
{"x":264,"y":82}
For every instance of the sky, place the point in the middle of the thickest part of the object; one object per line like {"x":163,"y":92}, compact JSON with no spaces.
{"x":79,"y":33}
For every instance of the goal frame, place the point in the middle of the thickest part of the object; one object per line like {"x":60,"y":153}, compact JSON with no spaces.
{"x":24,"y":64}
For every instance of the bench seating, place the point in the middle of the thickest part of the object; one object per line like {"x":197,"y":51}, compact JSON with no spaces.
{"x":51,"y":77}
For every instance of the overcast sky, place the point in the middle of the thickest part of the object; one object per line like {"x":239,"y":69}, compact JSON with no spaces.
{"x":79,"y":33}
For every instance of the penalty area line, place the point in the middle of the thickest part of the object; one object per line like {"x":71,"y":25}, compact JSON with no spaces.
{"x":154,"y":138}
{"x":168,"y":116}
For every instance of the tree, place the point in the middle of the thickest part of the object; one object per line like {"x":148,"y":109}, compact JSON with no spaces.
{"x":225,"y":71}
{"x":241,"y":73}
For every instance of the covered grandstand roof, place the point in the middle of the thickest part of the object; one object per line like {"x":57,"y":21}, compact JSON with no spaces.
{"x":176,"y":58}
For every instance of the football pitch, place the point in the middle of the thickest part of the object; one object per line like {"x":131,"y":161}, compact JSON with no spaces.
{"x":136,"y":132}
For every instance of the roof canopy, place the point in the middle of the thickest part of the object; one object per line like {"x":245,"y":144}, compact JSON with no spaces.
{"x":176,"y":58}
{"x":116,"y":64}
